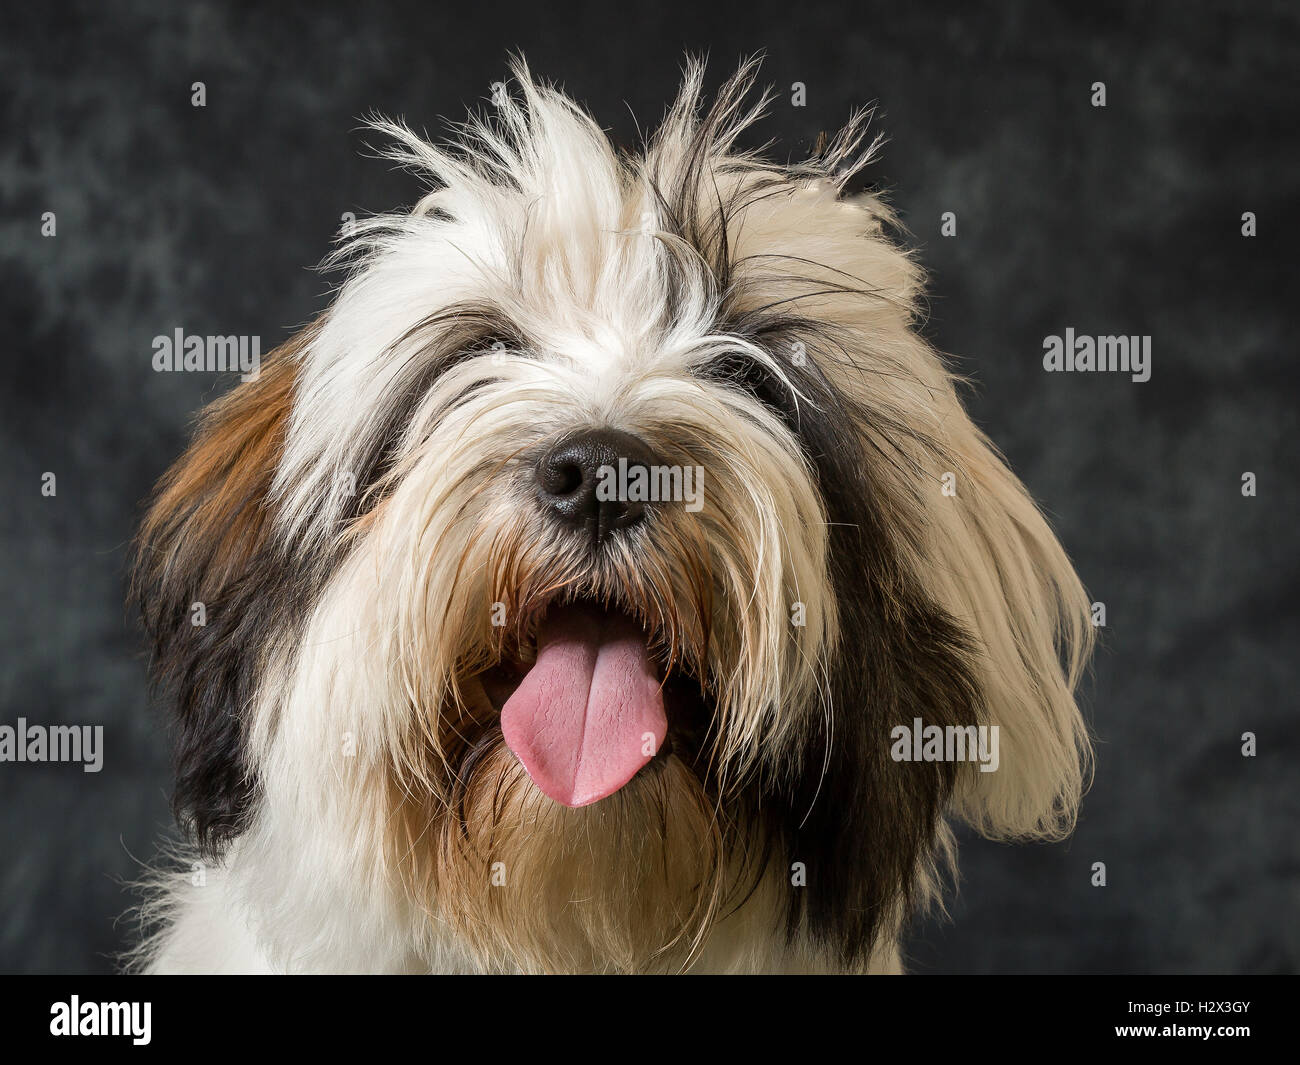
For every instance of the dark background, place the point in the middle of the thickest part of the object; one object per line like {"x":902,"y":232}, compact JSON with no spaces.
{"x":1124,"y":219}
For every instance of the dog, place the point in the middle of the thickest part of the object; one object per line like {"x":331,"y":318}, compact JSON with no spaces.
{"x":600,"y":583}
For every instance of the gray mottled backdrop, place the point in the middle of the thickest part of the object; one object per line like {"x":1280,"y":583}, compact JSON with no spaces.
{"x":1123,"y":219}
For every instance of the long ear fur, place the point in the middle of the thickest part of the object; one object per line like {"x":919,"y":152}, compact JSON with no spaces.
{"x":1006,"y":579}
{"x":207,"y":540}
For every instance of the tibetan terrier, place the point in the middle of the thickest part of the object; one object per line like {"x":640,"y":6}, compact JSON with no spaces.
{"x":610,"y":580}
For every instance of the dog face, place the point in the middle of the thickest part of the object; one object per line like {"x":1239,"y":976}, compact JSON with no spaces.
{"x":566,"y":580}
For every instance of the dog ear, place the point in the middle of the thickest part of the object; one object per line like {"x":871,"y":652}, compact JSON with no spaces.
{"x":1004,"y":577}
{"x":968,"y":536}
{"x":206,"y":580}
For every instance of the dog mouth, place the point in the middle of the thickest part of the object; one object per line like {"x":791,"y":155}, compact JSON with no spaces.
{"x":592,"y":707}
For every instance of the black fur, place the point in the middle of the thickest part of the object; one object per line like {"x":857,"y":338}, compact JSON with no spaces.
{"x":865,"y":827}
{"x":208,"y":675}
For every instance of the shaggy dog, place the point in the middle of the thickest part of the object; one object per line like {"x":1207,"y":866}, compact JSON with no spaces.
{"x":609,"y":580}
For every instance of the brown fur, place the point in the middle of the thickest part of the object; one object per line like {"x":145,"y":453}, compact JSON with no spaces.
{"x":213,"y":500}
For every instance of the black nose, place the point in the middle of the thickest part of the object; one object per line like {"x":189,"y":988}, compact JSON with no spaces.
{"x":581,"y":480}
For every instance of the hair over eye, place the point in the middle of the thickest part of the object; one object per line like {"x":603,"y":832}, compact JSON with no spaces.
{"x":744,"y":372}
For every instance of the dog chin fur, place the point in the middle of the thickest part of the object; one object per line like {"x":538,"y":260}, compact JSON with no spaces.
{"x":357,"y":518}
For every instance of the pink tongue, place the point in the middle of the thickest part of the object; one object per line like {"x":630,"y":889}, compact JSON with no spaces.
{"x":590,"y":712}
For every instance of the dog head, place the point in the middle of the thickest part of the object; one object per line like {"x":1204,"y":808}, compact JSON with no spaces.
{"x":567,"y":581}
